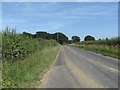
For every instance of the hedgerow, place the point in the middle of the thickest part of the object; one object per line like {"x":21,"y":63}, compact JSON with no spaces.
{"x":113,"y":41}
{"x":17,"y":46}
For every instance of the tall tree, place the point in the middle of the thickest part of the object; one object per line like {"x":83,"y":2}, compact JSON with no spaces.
{"x":89,"y":38}
{"x":75,"y":38}
{"x":61,"y":38}
{"x":43,"y":35}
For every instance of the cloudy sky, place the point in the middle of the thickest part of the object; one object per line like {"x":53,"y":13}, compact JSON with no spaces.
{"x":98,"y":19}
{"x":59,"y":0}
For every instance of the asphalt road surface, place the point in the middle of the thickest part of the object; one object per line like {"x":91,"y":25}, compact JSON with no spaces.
{"x":76,"y":68}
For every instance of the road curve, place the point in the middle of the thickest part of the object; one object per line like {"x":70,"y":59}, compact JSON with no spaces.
{"x":76,"y":68}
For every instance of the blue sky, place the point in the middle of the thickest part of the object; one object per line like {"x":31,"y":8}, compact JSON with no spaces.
{"x":99,"y":19}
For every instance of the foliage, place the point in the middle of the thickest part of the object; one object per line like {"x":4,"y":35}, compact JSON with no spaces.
{"x":27,"y":34}
{"x":70,"y":41}
{"x":89,"y":38}
{"x":28,"y":73}
{"x":113,"y":42}
{"x":25,"y":58}
{"x":59,"y":37}
{"x":102,"y":49}
{"x":43,"y":35}
{"x":17,"y":46}
{"x":109,"y":47}
{"x":75,"y":38}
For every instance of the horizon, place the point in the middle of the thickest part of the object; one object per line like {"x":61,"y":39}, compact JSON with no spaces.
{"x":98,"y":19}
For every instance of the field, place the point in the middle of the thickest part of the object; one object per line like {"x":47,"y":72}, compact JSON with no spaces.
{"x":25,"y":59}
{"x":112,"y":42}
{"x":108,"y":47}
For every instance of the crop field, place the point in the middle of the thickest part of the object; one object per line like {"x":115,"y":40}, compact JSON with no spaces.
{"x":108,"y":47}
{"x":112,"y":42}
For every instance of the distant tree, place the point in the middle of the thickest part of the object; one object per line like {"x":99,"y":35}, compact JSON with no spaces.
{"x":34,"y":36}
{"x":69,"y":41}
{"x":106,"y":38}
{"x":99,"y":39}
{"x":89,"y":38}
{"x":27,"y":34}
{"x":75,"y":38}
{"x":61,"y":38}
{"x":43,"y":35}
{"x":52,"y":36}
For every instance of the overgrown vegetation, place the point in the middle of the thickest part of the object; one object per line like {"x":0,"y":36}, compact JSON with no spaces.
{"x":101,"y":49}
{"x":113,"y":42}
{"x":108,"y":47}
{"x":28,"y":73}
{"x":18,"y":46}
{"x":25,"y":59}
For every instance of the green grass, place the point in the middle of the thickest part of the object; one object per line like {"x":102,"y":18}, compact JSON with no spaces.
{"x":27,"y":73}
{"x":17,"y":47}
{"x":113,"y":42}
{"x":101,"y":49}
{"x":107,"y":47}
{"x":25,"y":59}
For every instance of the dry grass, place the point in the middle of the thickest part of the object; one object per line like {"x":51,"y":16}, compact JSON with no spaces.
{"x":107,"y":50}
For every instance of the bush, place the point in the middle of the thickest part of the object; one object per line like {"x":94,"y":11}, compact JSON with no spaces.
{"x":17,"y":46}
{"x":113,"y":41}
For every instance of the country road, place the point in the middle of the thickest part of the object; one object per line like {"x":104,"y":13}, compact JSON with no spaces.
{"x":76,"y":68}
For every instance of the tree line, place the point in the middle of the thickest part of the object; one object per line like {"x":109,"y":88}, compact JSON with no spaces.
{"x":59,"y":37}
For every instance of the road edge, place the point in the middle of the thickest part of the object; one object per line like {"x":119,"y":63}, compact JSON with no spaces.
{"x":116,"y":59}
{"x":49,"y":69}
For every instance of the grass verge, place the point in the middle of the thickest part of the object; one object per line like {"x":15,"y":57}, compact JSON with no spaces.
{"x":27,"y":73}
{"x":100,"y":49}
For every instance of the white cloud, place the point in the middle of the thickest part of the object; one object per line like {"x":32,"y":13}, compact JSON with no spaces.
{"x":31,"y":11}
{"x":51,"y":26}
{"x":13,"y":20}
{"x":60,"y":0}
{"x":74,"y":13}
{"x":88,"y":10}
{"x":78,"y":17}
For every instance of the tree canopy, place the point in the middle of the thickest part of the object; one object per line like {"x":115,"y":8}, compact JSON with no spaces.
{"x":60,"y":37}
{"x":75,"y":38}
{"x":89,"y":38}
